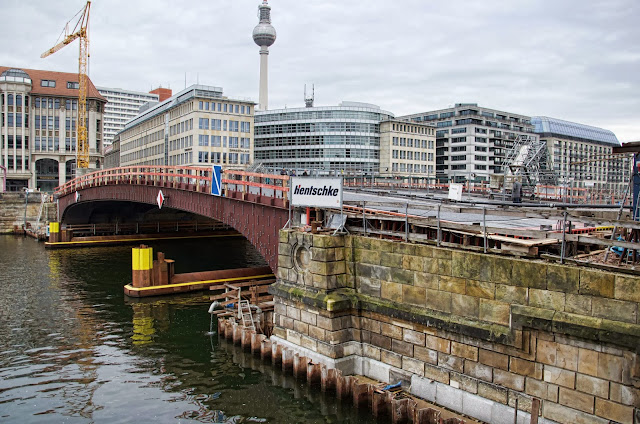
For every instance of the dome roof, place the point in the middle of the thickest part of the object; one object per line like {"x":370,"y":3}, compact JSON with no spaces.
{"x":14,"y":74}
{"x":264,"y":34}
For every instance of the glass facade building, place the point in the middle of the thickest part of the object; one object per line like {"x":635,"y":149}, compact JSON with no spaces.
{"x":327,"y":140}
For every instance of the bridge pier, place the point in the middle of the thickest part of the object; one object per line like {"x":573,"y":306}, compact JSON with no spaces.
{"x":481,"y":334}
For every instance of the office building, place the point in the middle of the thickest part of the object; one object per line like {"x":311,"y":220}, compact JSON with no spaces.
{"x":197,"y":126}
{"x":581,"y":154}
{"x":472,"y":141}
{"x":329,"y":140}
{"x":38,"y":128}
{"x":122,"y":106}
{"x":407,"y":149}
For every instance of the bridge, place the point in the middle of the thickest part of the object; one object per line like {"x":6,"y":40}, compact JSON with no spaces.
{"x":256,"y":205}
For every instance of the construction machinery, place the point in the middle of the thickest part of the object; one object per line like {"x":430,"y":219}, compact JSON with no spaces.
{"x":80,"y":31}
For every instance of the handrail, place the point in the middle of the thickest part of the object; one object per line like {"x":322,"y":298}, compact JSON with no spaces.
{"x":190,"y":178}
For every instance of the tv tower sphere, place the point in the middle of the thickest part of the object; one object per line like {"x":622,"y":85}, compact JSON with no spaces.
{"x":264,"y":34}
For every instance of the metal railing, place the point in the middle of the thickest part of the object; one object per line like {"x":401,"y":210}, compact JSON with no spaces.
{"x":189,"y":178}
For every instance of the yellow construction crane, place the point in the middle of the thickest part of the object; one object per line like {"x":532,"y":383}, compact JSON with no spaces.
{"x":80,"y":31}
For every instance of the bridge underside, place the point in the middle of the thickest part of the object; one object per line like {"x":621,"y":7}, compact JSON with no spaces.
{"x":256,"y":221}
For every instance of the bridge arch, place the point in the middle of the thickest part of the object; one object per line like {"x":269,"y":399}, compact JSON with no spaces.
{"x":248,"y":204}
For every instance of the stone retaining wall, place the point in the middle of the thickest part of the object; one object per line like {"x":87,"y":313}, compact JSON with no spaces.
{"x":12,"y":211}
{"x":457,"y":325}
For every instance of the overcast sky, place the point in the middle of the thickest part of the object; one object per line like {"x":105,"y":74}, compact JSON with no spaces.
{"x":570,"y":59}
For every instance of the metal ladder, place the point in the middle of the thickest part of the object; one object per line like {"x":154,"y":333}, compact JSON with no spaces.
{"x":244,"y":313}
{"x":43,"y":199}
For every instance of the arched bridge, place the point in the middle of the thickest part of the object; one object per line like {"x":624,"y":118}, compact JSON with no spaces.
{"x":256,"y":205}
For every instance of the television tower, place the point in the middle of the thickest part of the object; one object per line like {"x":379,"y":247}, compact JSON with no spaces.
{"x":264,"y":35}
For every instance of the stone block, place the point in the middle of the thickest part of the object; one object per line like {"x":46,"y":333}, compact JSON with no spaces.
{"x":424,"y":354}
{"x":564,"y":414}
{"x":392,"y":260}
{"x":370,"y":325}
{"x":494,"y":359}
{"x":529,"y":274}
{"x":451,"y":284}
{"x":478,"y":370}
{"x":494,"y":311}
{"x":563,"y":278}
{"x":493,"y":392}
{"x":511,"y":294}
{"x":614,"y":411}
{"x":426,"y":280}
{"x":429,"y":265}
{"x":464,"y":351}
{"x":391,"y":358}
{"x":391,"y":291}
{"x":610,"y":367}
{"x":541,"y":390}
{"x":576,"y":400}
{"x":592,"y":385}
{"x":578,"y":304}
{"x":413,"y":366}
{"x":286,"y":322}
{"x":308,"y":317}
{"x":317,"y":333}
{"x":373,"y":271}
{"x":325,"y":241}
{"x":423,"y":387}
{"x":567,"y":357}
{"x":283,"y":273}
{"x":413,"y":337}
{"x":284,"y":236}
{"x":481,"y":289}
{"x":436,"y":373}
{"x":508,"y":379}
{"x":412,"y":263}
{"x":367,"y":256}
{"x":437,"y":343}
{"x":391,"y":330}
{"x":414,"y":295}
{"x":369,"y":286}
{"x":474,"y":266}
{"x":309,"y":343}
{"x":627,"y":287}
{"x":525,"y":368}
{"x":463,"y":382}
{"x":442,"y":253}
{"x":284,"y":261}
{"x":403,"y":348}
{"x":301,"y":327}
{"x":616,"y":310}
{"x":404,"y":248}
{"x":450,"y":362}
{"x":501,"y":270}
{"x":438,"y":300}
{"x":293,"y":337}
{"x":444,"y":266}
{"x":465,"y":306}
{"x":293,"y":312}
{"x":402,"y":276}
{"x":546,"y":299}
{"x":625,"y":395}
{"x":423,"y":250}
{"x":587,"y":361}
{"x":559,"y":377}
{"x":371,"y":352}
{"x":381,"y":341}
{"x":448,"y":397}
{"x":596,"y":283}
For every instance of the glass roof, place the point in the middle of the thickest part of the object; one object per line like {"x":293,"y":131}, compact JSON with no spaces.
{"x":14,"y":73}
{"x":544,"y":125}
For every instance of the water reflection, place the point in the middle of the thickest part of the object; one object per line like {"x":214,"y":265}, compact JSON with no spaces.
{"x":73,"y":349}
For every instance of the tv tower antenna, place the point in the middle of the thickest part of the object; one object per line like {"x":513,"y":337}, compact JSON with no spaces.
{"x":308,"y":101}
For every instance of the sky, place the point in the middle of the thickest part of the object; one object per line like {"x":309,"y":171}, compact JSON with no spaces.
{"x":577,"y":60}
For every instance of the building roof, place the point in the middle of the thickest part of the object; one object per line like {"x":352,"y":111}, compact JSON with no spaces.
{"x":560,"y":128}
{"x":61,"y":79}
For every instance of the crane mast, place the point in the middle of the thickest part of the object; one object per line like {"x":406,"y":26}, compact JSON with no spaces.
{"x":81,"y":32}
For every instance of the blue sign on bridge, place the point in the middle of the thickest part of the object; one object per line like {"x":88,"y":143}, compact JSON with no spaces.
{"x":216,"y":180}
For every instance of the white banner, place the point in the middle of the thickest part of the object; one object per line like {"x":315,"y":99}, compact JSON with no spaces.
{"x":319,"y":192}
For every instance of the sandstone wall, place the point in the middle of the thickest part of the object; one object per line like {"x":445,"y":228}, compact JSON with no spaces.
{"x":458,"y":325}
{"x":12,"y":206}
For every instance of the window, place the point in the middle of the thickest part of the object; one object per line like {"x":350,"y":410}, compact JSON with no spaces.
{"x":215,"y":141}
{"x":203,"y":140}
{"x":245,"y":126}
{"x":459,"y":130}
{"x":233,"y":126}
{"x":216,"y":124}
{"x":71,"y":84}
{"x":203,"y":123}
{"x":47,"y":83}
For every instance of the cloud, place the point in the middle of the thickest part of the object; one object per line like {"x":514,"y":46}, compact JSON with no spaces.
{"x":574,"y":60}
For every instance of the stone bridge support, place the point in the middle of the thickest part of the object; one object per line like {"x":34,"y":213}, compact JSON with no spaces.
{"x":483,"y":335}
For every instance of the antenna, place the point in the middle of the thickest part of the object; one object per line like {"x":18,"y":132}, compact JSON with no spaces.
{"x":308,"y":101}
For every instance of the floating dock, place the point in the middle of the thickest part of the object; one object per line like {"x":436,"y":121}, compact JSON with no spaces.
{"x":156,"y":277}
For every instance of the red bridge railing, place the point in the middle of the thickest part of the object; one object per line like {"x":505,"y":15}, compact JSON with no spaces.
{"x":235,"y":184}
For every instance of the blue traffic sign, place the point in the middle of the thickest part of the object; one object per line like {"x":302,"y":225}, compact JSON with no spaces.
{"x":216,"y":180}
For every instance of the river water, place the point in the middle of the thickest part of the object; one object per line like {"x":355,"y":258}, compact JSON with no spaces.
{"x":74,"y":349}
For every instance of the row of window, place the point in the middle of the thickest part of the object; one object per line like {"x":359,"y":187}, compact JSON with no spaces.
{"x":410,"y":142}
{"x":143,"y":154}
{"x":181,"y":127}
{"x":319,"y":127}
{"x":185,"y":158}
{"x":412,"y":168}
{"x":14,"y":164}
{"x":181,"y":143}
{"x":221,"y":125}
{"x":11,"y":142}
{"x":139,"y":142}
{"x":411,"y":155}
{"x":224,"y":158}
{"x":225,"y":107}
{"x":311,"y":154}
{"x":412,"y":129}
{"x":221,"y":141}
{"x":303,"y":142}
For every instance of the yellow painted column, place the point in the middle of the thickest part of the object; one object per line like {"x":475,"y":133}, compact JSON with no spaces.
{"x":54,"y":232}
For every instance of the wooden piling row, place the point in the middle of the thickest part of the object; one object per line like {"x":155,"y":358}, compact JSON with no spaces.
{"x":396,"y":406}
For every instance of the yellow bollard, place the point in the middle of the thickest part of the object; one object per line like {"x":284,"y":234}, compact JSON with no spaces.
{"x":54,"y":232}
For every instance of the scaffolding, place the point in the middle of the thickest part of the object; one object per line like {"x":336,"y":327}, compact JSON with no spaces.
{"x":528,"y":161}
